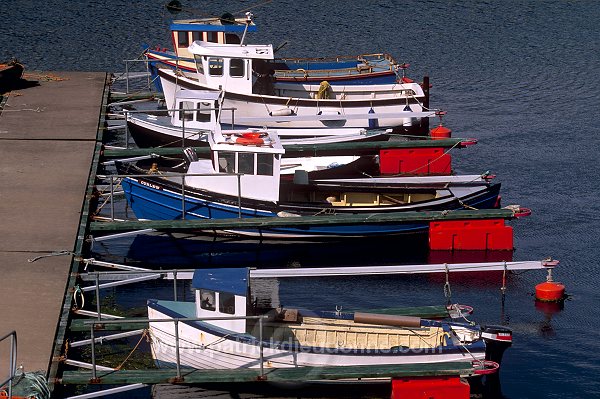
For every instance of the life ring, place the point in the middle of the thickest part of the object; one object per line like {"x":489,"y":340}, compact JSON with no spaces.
{"x":484,"y":367}
{"x":250,"y":138}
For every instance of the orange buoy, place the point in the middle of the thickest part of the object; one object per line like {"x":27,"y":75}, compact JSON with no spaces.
{"x":250,"y":138}
{"x":440,"y":132}
{"x":549,"y":291}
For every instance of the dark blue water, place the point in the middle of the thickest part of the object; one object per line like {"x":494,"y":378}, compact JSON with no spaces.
{"x":520,"y":76}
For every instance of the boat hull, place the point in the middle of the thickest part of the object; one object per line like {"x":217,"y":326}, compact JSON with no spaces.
{"x":308,"y":112}
{"x":203,"y":346}
{"x":159,"y":199}
{"x":158,"y":132}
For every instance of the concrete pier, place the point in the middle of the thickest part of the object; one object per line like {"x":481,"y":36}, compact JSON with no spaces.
{"x":47,"y":141}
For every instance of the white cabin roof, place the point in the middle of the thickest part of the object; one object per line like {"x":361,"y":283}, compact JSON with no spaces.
{"x":209,"y":49}
{"x":182,"y":95}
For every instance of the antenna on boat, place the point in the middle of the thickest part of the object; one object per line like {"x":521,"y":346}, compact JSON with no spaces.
{"x":280,"y":46}
{"x":248,"y":22}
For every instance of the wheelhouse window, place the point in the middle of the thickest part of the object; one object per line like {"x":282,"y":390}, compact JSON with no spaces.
{"x":226,"y":303}
{"x":196,"y":36}
{"x":215,"y":66}
{"x":212,"y":37}
{"x":207,"y":300}
{"x":185,"y":115}
{"x":199,"y":65}
{"x":246,"y":163}
{"x":182,"y":39}
{"x":264,"y":164}
{"x":226,"y":162}
{"x":232,"y":38}
{"x":236,"y":68}
{"x":203,"y":113}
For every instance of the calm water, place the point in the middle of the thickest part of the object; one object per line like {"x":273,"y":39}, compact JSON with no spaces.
{"x":521,"y":76}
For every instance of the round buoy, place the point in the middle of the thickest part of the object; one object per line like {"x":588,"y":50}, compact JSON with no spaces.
{"x":440,"y":132}
{"x":484,"y":367}
{"x":549,"y":291}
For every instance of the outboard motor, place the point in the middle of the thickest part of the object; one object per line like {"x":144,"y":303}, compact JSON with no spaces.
{"x":497,"y":340}
{"x":190,"y":155}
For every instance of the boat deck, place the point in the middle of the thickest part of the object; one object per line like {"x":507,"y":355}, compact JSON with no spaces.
{"x":48,"y":138}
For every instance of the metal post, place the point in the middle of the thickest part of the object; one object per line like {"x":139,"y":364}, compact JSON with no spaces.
{"x":177,"y":348}
{"x":98,"y":295}
{"x":260,"y":345}
{"x":126,"y":130}
{"x":425,"y":121}
{"x":126,"y":77}
{"x":93,"y":352}
{"x":182,"y":197}
{"x":232,"y":118}
{"x":239,"y":178}
{"x":183,"y":129}
{"x":112,"y":199}
{"x":175,"y":285}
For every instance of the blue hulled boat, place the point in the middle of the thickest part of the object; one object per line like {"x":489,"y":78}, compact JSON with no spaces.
{"x":242,"y":178}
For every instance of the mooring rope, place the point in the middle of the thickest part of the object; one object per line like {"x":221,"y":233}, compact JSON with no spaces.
{"x":54,"y":253}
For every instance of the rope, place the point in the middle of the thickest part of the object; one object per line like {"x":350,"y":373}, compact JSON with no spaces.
{"x":463,"y":345}
{"x":503,"y":288}
{"x":55,"y":253}
{"x":144,"y":334}
{"x":431,"y":162}
{"x":447,"y":289}
{"x":467,"y":206}
{"x":76,"y":291}
{"x":456,"y":307}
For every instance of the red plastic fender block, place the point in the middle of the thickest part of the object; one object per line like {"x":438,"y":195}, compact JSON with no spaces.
{"x":430,"y":388}
{"x":489,"y":234}
{"x":415,"y":161}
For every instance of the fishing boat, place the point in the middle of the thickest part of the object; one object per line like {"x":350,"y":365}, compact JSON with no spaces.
{"x":10,"y":73}
{"x":227,"y":69}
{"x":199,"y":112}
{"x":234,"y":333}
{"x":243,"y":179}
{"x":376,"y":68}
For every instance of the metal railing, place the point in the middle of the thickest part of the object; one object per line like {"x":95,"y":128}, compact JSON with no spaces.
{"x":183,"y":120}
{"x":96,"y":277}
{"x":127,"y":62}
{"x":176,"y":322}
{"x":12,"y":361}
{"x":182,"y":176}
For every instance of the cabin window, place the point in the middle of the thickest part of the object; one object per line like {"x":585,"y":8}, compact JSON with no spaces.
{"x":226,"y":162}
{"x":215,"y":66}
{"x":236,"y":68}
{"x":246,"y":163}
{"x":199,"y":65}
{"x":207,"y":300}
{"x":203,"y":113}
{"x":264,"y":164}
{"x":182,"y":39}
{"x":196,"y":36}
{"x":186,"y":115}
{"x":232,"y":38}
{"x":212,"y":37}
{"x":226,"y":303}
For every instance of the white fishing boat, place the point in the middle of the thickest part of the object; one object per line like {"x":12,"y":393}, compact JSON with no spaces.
{"x":235,"y":334}
{"x":197,"y":112}
{"x":234,"y":71}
